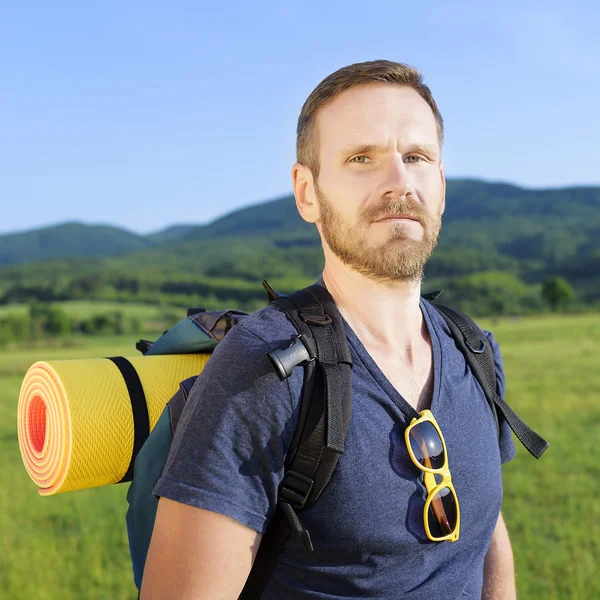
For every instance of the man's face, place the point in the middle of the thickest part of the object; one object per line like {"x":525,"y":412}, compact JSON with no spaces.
{"x":381,"y":186}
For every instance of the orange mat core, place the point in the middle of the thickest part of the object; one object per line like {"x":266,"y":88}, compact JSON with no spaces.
{"x":37,"y":423}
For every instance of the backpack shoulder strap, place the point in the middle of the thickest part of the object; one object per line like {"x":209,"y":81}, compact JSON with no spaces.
{"x":473,"y":343}
{"x":324,"y":418}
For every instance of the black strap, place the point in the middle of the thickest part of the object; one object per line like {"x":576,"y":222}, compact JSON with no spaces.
{"x":317,"y":309}
{"x":477,"y":352}
{"x":479,"y":356}
{"x":323,"y":423}
{"x":141,"y":420}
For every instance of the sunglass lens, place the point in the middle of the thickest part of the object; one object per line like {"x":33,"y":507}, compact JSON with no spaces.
{"x":426,"y":445}
{"x":442,"y":513}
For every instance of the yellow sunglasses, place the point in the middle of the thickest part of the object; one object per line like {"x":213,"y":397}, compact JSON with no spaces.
{"x":427,"y":449}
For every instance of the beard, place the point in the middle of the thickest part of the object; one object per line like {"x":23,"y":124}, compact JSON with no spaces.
{"x":397,"y":259}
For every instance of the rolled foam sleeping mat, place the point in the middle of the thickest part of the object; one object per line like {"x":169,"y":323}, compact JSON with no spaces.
{"x":75,"y":417}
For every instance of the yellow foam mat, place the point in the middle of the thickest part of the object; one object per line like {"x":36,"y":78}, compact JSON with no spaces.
{"x":75,"y":421}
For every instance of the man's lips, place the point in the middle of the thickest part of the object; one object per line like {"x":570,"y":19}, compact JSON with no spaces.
{"x":398,"y":217}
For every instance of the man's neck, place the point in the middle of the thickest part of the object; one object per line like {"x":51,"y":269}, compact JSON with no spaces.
{"x":383,"y":315}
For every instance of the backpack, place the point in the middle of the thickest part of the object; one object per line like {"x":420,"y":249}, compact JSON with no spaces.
{"x":320,"y":347}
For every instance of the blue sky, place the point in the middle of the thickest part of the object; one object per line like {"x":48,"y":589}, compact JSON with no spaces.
{"x":145,"y":114}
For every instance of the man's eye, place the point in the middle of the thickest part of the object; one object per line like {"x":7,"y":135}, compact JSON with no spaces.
{"x":359,"y":159}
{"x":419,"y":159}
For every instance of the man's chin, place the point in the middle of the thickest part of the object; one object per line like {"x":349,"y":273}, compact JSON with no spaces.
{"x":403,"y":247}
{"x":406,"y":240}
{"x":395,"y":276}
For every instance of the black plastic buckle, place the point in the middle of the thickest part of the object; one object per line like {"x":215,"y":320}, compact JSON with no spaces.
{"x":318,"y":320}
{"x":479,"y":350}
{"x":143,"y":346}
{"x":295,"y":489}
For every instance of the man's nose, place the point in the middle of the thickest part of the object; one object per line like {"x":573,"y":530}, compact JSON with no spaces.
{"x":396,"y":182}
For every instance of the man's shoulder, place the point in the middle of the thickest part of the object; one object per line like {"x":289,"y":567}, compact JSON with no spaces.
{"x":448,"y":343}
{"x":440,"y":324}
{"x":242,"y":351}
{"x":270,"y":324}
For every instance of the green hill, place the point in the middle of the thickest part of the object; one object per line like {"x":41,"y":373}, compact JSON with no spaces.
{"x":69,"y":240}
{"x":172,"y":233}
{"x":498,"y":243}
{"x":272,"y":218}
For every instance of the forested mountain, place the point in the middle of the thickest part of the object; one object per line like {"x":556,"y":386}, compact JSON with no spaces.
{"x":172,"y":233}
{"x":498,"y":243}
{"x":68,"y":240}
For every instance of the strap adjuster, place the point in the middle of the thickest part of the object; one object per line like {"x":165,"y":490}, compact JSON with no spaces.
{"x":295,"y":489}
{"x":316,"y":320}
{"x":479,"y":350}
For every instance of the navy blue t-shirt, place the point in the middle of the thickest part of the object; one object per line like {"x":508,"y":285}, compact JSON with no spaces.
{"x":367,"y":527}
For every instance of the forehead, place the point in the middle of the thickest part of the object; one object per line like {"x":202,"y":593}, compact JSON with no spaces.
{"x":375,"y":113}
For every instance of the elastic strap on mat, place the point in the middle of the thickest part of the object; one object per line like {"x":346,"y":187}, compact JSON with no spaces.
{"x":141,"y":420}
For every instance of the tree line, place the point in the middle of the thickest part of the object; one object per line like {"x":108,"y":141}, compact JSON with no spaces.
{"x":42,"y":321}
{"x":478,"y":294}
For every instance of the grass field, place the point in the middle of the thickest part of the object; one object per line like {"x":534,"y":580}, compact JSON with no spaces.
{"x":74,"y":546}
{"x":85,"y":308}
{"x":152,"y":316}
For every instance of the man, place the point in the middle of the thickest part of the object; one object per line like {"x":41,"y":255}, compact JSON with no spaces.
{"x":370,"y":177}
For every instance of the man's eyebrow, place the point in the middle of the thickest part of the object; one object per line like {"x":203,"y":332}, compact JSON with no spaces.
{"x":353,"y":149}
{"x":358,"y":149}
{"x":423,"y":149}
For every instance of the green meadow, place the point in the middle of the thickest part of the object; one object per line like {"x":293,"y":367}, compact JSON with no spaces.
{"x":83,"y":308}
{"x":153,"y":317}
{"x":74,"y":545}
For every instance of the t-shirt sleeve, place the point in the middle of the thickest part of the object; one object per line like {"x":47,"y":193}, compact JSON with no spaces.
{"x":229,"y":448}
{"x":506,"y":443}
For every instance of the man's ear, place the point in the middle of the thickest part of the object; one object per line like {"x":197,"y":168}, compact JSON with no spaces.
{"x":304,"y":192}
{"x":443,"y":176}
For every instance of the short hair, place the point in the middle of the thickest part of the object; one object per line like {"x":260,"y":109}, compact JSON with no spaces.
{"x":376,"y":71}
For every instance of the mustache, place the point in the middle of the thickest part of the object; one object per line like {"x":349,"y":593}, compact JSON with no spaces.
{"x":395,"y":207}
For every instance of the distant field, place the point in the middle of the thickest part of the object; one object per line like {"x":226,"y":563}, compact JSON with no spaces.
{"x":153,"y":317}
{"x":83,"y":308}
{"x":74,"y":546}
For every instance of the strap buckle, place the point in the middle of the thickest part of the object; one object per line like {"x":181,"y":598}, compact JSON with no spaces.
{"x":295,"y":489}
{"x":479,"y":350}
{"x":318,"y":320}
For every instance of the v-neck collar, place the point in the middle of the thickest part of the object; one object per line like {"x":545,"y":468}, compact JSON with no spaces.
{"x":377,"y":374}
{"x":383,"y":382}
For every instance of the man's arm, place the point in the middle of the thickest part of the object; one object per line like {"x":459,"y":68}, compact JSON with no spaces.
{"x":220,"y":482}
{"x":499,"y":567}
{"x":196,"y":554}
